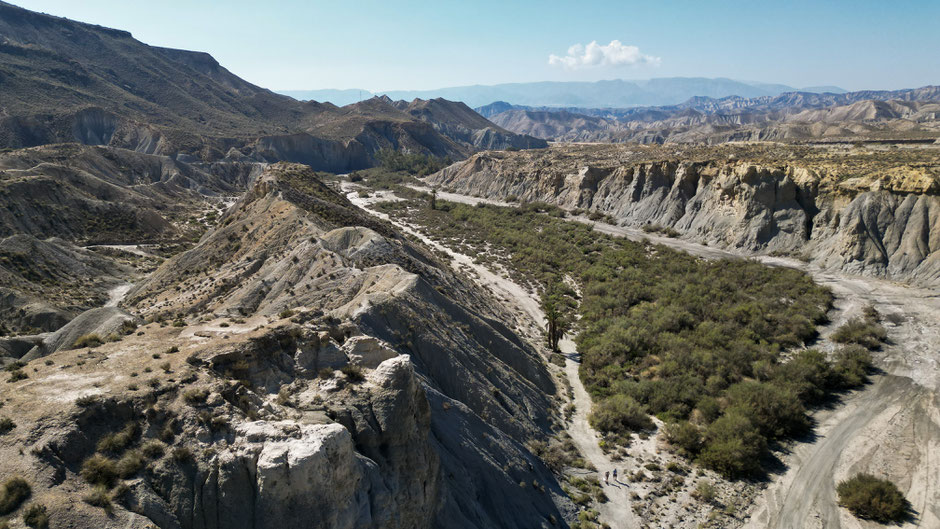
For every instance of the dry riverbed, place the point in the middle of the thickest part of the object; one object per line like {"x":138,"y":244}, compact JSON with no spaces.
{"x":890,"y":428}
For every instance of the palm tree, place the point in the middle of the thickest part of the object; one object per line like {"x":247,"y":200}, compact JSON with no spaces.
{"x":557,"y":325}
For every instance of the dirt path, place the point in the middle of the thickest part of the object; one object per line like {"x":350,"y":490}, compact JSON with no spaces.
{"x":117,"y":294}
{"x":617,"y":512}
{"x":890,"y":428}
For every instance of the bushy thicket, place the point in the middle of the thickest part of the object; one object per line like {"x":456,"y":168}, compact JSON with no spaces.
{"x":872,"y":498}
{"x":697,"y":343}
{"x":412,"y":163}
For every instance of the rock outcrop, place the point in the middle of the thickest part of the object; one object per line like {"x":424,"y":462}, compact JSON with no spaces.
{"x":886,"y":223}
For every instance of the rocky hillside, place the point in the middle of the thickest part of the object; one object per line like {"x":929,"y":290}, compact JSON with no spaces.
{"x":57,"y":199}
{"x":457,"y":120}
{"x":853,"y":116}
{"x":66,"y":81}
{"x":872,"y":212}
{"x":304,"y":364}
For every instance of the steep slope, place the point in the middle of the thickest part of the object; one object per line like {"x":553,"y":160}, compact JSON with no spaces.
{"x":46,"y":283}
{"x":457,"y":120}
{"x":66,"y":81}
{"x":864,"y":211}
{"x":101,"y":195}
{"x":57,"y":198}
{"x":363,"y":294}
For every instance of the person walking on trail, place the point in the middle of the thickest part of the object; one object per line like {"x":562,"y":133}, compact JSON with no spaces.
{"x":607,"y":477}
{"x":615,"y":474}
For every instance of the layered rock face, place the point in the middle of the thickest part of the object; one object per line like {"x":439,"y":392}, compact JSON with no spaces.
{"x":886,"y":226}
{"x":435,"y":435}
{"x":291,"y":474}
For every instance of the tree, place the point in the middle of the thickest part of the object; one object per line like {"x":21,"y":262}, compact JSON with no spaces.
{"x":432,"y":200}
{"x":557,"y":324}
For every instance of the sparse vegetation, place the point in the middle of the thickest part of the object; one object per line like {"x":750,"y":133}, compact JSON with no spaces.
{"x":36,"y":516}
{"x":116,"y":442}
{"x":6,"y":425}
{"x":15,"y":491}
{"x":99,"y":497}
{"x":705,"y":491}
{"x":353,"y":373}
{"x":130,"y":463}
{"x":181,"y":454}
{"x":88,"y":340}
{"x":153,"y":449}
{"x":872,"y":498}
{"x":99,"y":470}
{"x":196,"y":395}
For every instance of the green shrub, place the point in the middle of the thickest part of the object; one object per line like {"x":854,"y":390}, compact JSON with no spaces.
{"x":733,"y":447}
{"x":325,"y":373}
{"x":17,"y":375}
{"x":619,"y":414}
{"x":685,"y":436}
{"x":14,"y":493}
{"x":153,"y":449}
{"x":116,"y":442}
{"x":87,"y":340}
{"x":99,"y":470}
{"x":671,"y":331}
{"x":808,"y":375}
{"x":867,"y":333}
{"x":775,"y":411}
{"x":99,"y":497}
{"x":36,"y":516}
{"x":286,"y":313}
{"x":130,"y":463}
{"x":872,"y":498}
{"x":196,"y":396}
{"x":413,"y":163}
{"x":852,"y":365}
{"x":6,"y":425}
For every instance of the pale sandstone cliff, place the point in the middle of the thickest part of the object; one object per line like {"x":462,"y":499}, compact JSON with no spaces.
{"x":887,"y":224}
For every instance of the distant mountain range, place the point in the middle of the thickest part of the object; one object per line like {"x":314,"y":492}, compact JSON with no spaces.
{"x":912,"y":114}
{"x":613,"y":93}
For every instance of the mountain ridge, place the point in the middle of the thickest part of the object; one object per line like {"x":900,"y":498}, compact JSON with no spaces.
{"x":67,"y":81}
{"x":607,"y":93}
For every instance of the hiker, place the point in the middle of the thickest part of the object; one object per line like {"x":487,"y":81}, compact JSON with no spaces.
{"x":615,"y":474}
{"x":606,"y":477}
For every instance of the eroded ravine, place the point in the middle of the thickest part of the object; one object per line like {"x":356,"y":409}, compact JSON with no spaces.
{"x":617,"y":512}
{"x":898,"y":409}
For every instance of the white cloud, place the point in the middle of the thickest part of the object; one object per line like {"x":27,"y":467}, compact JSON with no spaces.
{"x":594,"y":54}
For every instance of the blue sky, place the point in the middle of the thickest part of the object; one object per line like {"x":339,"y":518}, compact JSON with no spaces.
{"x":386,"y":45}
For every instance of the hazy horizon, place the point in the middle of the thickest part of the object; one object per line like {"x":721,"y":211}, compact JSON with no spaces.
{"x":417,"y":45}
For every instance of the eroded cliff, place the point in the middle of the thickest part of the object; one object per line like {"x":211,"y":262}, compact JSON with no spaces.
{"x":881,"y":218}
